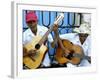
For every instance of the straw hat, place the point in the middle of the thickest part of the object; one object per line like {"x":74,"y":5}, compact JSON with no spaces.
{"x":84,"y":28}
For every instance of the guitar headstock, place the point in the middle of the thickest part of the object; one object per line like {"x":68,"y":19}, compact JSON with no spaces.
{"x":59,"y":18}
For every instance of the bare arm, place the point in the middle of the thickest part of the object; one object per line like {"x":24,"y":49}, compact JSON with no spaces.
{"x":61,"y":44}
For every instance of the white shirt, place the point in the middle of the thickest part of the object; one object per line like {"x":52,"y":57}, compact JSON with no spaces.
{"x":41,"y":30}
{"x":87,"y":46}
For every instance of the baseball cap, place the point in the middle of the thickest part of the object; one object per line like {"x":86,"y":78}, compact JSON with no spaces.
{"x":31,"y":16}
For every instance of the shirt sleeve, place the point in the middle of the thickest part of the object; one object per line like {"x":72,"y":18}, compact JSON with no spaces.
{"x":24,"y":38}
{"x":27,"y":36}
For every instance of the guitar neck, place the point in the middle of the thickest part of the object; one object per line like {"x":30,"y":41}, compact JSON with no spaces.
{"x":83,"y":57}
{"x":88,"y":58}
{"x":44,"y":38}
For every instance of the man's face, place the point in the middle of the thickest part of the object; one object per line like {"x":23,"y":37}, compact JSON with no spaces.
{"x":32,"y":24}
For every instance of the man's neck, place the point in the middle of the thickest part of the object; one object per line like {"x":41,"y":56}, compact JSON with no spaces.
{"x":34,"y":30}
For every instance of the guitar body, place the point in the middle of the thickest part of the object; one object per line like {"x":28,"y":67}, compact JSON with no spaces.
{"x":70,"y":58}
{"x":34,"y":62}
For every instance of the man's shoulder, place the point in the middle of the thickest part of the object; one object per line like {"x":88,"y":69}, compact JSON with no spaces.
{"x":42,"y":28}
{"x":27,"y":31}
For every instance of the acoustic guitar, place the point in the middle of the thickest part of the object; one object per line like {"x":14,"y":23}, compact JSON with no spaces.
{"x":37,"y":44}
{"x":75,"y":55}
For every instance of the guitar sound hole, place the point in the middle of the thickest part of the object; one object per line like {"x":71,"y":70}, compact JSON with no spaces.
{"x":37,"y":46}
{"x":70,"y":56}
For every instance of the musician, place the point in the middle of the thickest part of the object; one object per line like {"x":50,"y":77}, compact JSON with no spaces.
{"x":82,"y":38}
{"x":33,"y":30}
{"x":84,"y":33}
